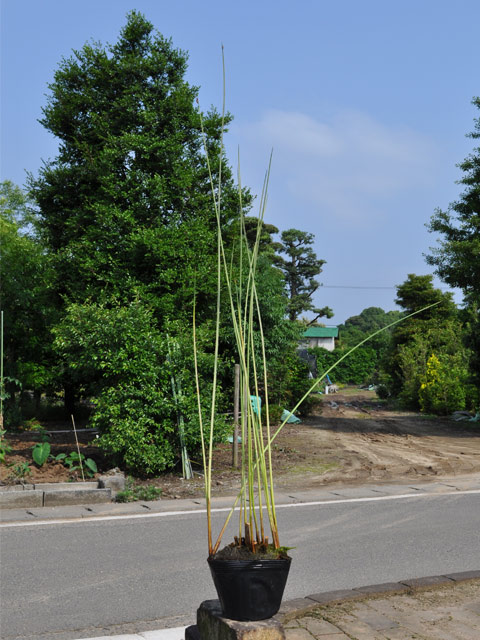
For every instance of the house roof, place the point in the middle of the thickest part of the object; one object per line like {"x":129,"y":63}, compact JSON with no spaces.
{"x":321,"y":332}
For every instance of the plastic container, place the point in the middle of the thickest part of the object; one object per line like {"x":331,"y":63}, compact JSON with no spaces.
{"x":250,"y":589}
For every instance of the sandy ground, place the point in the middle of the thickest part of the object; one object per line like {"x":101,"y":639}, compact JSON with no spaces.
{"x":354,"y":439}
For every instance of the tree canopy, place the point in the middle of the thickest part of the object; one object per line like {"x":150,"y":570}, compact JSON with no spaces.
{"x":125,"y":209}
{"x":300,"y":266}
{"x":457,"y":259}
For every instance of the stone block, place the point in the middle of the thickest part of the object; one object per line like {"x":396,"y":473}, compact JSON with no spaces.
{"x":383,"y":588}
{"x":463,"y":575}
{"x":17,"y":499}
{"x":113,"y":481}
{"x":429,"y":581}
{"x":212,"y":626}
{"x":75,"y":496}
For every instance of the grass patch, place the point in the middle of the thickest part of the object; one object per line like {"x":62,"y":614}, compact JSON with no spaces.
{"x":134,"y":493}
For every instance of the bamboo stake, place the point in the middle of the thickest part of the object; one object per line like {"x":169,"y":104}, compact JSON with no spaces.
{"x":78,"y":449}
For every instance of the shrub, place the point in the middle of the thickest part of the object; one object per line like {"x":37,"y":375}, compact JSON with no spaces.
{"x":443,"y":389}
{"x":288,"y":381}
{"x":275,"y":412}
{"x":131,"y":366}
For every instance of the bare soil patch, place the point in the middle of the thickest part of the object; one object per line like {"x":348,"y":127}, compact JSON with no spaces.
{"x":354,"y":439}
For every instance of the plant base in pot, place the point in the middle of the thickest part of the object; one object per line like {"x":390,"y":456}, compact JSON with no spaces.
{"x":250,"y":589}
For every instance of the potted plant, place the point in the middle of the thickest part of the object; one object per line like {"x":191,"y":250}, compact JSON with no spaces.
{"x":250,"y":573}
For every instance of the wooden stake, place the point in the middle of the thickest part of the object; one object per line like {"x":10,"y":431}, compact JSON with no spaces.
{"x":78,"y":449}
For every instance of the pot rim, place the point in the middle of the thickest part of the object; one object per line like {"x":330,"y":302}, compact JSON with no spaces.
{"x":259,"y":563}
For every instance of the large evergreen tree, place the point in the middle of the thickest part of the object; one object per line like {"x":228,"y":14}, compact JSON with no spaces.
{"x":126,"y":215}
{"x":457,"y":259}
{"x":125,"y":208}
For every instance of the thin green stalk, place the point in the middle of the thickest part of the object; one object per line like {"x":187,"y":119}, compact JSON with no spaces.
{"x":207,"y":484}
{"x":270,"y":498}
{"x":1,"y":369}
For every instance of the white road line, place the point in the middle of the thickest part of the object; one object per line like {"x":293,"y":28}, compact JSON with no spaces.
{"x":163,"y":514}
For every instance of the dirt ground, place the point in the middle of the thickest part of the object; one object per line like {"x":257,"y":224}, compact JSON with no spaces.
{"x":354,"y":439}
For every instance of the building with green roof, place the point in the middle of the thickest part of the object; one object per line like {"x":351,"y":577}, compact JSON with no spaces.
{"x":319,"y":337}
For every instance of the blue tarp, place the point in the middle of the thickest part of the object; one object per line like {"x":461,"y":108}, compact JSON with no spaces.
{"x":291,"y":420}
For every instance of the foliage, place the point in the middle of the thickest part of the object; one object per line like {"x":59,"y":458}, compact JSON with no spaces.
{"x":356,"y":328}
{"x":300,"y":266}
{"x":457,"y":259}
{"x":125,"y":208}
{"x":275,"y":411}
{"x":443,"y":390}
{"x":135,"y":492}
{"x":73,"y":461}
{"x":358,"y":368}
{"x":126,"y":359}
{"x":24,"y":298}
{"x":412,"y":359}
{"x":364,"y":365}
{"x":436,"y":329}
{"x":20,"y":471}
{"x":289,"y":381}
{"x":5,"y":447}
{"x":40,"y":453}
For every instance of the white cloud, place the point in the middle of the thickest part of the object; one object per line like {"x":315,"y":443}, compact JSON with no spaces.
{"x":349,"y":166}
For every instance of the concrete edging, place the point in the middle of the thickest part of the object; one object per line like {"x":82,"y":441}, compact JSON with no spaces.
{"x":292,"y":609}
{"x":50,"y":495}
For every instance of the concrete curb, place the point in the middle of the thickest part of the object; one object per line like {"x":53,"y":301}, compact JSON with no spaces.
{"x":51,"y":495}
{"x":292,"y":609}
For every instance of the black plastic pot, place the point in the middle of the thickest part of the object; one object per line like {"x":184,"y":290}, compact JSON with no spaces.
{"x":250,"y":589}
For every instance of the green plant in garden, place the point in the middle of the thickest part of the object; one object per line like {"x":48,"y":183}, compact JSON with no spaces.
{"x":40,"y":453}
{"x":73,"y":462}
{"x":20,"y":471}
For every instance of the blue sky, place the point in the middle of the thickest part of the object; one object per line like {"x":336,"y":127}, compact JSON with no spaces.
{"x":365,"y":104}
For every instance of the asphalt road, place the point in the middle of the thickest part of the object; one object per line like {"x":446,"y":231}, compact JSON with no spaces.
{"x":80,"y":579}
